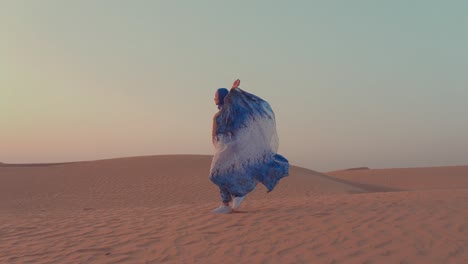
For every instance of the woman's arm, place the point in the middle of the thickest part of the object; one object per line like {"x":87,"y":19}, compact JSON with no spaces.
{"x":235,"y":84}
{"x":213,"y":130}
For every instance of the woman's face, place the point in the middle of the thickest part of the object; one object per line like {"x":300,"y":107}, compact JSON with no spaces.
{"x":216,"y":98}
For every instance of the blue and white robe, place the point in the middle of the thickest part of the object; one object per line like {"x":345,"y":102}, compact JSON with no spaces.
{"x":245,"y":144}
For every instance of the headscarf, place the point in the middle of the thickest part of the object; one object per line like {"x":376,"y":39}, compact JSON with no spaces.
{"x":222,"y":92}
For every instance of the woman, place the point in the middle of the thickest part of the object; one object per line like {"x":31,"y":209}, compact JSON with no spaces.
{"x":245,"y":141}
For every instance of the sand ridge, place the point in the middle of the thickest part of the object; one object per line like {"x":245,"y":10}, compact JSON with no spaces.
{"x":138,"y":181}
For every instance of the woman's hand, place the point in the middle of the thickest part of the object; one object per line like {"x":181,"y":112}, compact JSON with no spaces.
{"x":235,"y":84}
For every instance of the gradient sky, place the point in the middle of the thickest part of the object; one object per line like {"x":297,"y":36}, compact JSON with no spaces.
{"x":353,"y":83}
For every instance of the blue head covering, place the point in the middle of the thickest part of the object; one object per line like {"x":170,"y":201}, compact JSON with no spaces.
{"x":222,"y":92}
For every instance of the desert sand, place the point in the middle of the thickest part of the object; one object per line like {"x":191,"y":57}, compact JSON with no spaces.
{"x":157,"y":209}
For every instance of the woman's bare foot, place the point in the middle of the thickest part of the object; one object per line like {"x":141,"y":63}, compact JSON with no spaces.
{"x":223,"y":209}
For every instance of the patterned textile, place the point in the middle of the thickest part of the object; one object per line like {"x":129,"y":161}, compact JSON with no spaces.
{"x":245,"y":145}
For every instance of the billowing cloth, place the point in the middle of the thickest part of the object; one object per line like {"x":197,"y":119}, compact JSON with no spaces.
{"x":245,"y":145}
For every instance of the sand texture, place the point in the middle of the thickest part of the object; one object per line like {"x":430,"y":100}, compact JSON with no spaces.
{"x":157,"y":209}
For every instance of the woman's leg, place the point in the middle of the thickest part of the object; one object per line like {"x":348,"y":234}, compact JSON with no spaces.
{"x":225,"y":196}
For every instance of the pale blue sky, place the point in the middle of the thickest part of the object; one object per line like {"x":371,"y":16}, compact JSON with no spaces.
{"x":353,"y":83}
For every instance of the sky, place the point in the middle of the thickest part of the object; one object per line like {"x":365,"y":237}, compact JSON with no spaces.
{"x":358,"y":83}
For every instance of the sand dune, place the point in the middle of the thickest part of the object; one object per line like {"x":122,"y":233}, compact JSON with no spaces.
{"x":449,"y":177}
{"x":156,"y":209}
{"x":140,"y":181}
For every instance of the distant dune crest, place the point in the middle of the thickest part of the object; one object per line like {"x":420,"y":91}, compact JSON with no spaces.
{"x":358,"y":168}
{"x":426,"y":178}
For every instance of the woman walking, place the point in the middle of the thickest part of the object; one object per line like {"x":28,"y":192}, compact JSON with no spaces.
{"x":245,"y":141}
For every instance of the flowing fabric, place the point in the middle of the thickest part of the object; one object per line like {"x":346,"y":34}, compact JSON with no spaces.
{"x":246,"y":143}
